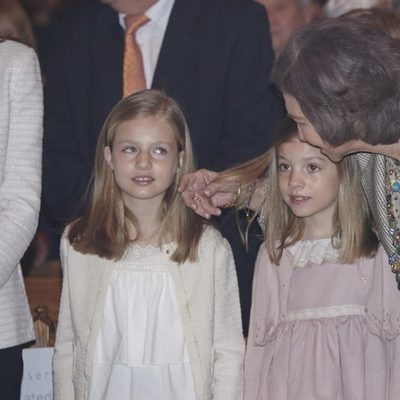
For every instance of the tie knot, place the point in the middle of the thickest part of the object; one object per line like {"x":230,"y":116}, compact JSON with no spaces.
{"x":134,"y":22}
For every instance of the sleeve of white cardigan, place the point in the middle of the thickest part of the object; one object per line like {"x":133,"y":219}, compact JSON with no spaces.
{"x":228,"y":335}
{"x":21,"y":185}
{"x":64,"y":346}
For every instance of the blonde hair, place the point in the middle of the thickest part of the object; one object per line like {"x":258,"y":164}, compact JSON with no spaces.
{"x":106,"y":227}
{"x":353,"y":235}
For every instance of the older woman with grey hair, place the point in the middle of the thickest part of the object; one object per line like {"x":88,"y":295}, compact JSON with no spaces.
{"x":341,"y":82}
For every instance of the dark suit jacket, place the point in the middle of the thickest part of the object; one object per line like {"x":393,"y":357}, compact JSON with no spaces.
{"x":215,"y":61}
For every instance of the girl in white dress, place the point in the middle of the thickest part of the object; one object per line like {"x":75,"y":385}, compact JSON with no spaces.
{"x":149,"y":307}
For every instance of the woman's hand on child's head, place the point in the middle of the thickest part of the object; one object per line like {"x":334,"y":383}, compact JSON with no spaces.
{"x":194,"y":194}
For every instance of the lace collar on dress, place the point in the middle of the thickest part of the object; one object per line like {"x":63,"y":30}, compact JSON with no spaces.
{"x":316,"y":251}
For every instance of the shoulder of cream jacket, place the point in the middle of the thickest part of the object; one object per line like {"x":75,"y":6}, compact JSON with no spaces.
{"x":208,"y":300}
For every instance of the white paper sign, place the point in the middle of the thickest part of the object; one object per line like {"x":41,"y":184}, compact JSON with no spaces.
{"x":37,"y":383}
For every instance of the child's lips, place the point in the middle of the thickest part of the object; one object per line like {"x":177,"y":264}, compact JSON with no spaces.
{"x":142,"y":180}
{"x":298,"y":199}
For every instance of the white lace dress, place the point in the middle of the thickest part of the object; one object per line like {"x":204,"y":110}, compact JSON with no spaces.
{"x":140,"y":350}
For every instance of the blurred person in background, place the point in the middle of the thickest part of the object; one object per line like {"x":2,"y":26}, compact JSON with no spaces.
{"x":386,"y":20}
{"x":286,"y":16}
{"x":41,"y":14}
{"x":43,"y":11}
{"x":334,"y":8}
{"x":15,"y":23}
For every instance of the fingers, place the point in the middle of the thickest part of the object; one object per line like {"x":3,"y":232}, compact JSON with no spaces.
{"x":196,"y":181}
{"x":222,"y":200}
{"x":185,"y":182}
{"x":204,"y":196}
{"x":200,"y":204}
{"x":222,"y":194}
{"x":212,"y":188}
{"x":188,"y":197}
{"x":206,"y":208}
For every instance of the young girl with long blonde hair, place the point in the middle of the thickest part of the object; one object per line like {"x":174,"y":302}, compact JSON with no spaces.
{"x":325,"y":319}
{"x":149,"y":306}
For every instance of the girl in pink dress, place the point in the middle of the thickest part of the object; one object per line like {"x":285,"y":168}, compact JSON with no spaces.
{"x":325,"y":318}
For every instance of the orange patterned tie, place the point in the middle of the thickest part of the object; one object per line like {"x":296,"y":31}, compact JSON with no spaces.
{"x":134,"y":79}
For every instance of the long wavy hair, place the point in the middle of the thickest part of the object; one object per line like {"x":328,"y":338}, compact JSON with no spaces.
{"x":105,"y":229}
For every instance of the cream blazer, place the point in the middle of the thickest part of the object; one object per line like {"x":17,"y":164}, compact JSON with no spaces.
{"x":21,"y":131}
{"x":208,"y":300}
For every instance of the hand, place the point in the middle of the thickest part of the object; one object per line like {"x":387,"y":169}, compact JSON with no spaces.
{"x":191,"y":188}
{"x":202,"y":192}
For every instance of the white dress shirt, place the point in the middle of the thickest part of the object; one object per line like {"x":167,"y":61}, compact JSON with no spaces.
{"x":151,"y":35}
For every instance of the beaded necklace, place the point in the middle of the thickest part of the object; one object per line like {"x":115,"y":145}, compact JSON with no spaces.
{"x":393,"y":207}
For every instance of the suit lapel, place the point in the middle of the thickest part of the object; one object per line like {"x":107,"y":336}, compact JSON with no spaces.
{"x":176,"y":51}
{"x":107,"y":43}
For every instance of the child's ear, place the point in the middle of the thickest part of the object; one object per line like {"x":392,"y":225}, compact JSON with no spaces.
{"x":107,"y":156}
{"x":180,"y":158}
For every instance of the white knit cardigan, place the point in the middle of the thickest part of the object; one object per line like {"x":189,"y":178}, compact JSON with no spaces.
{"x":208,"y":301}
{"x":21,"y":130}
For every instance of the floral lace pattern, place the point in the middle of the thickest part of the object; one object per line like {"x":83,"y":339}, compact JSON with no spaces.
{"x":307,"y":252}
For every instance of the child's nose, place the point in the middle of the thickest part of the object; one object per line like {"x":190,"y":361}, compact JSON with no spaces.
{"x":143,"y":161}
{"x":296,"y":180}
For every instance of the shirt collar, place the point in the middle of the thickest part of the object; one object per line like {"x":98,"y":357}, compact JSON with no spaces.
{"x":158,"y":13}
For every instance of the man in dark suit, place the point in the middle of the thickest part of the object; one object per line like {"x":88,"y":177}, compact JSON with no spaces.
{"x":214,"y":60}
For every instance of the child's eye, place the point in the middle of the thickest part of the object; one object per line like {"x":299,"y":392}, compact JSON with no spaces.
{"x":129,"y":149}
{"x":283,"y":167}
{"x":314,"y":168}
{"x":160,"y":151}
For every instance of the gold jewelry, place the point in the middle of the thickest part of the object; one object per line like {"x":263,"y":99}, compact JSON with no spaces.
{"x":395,"y":267}
{"x":235,"y":198}
{"x":246,"y":196}
{"x":392,"y":200}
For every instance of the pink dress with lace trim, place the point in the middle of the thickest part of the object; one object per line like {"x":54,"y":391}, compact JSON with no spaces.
{"x":323,"y":330}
